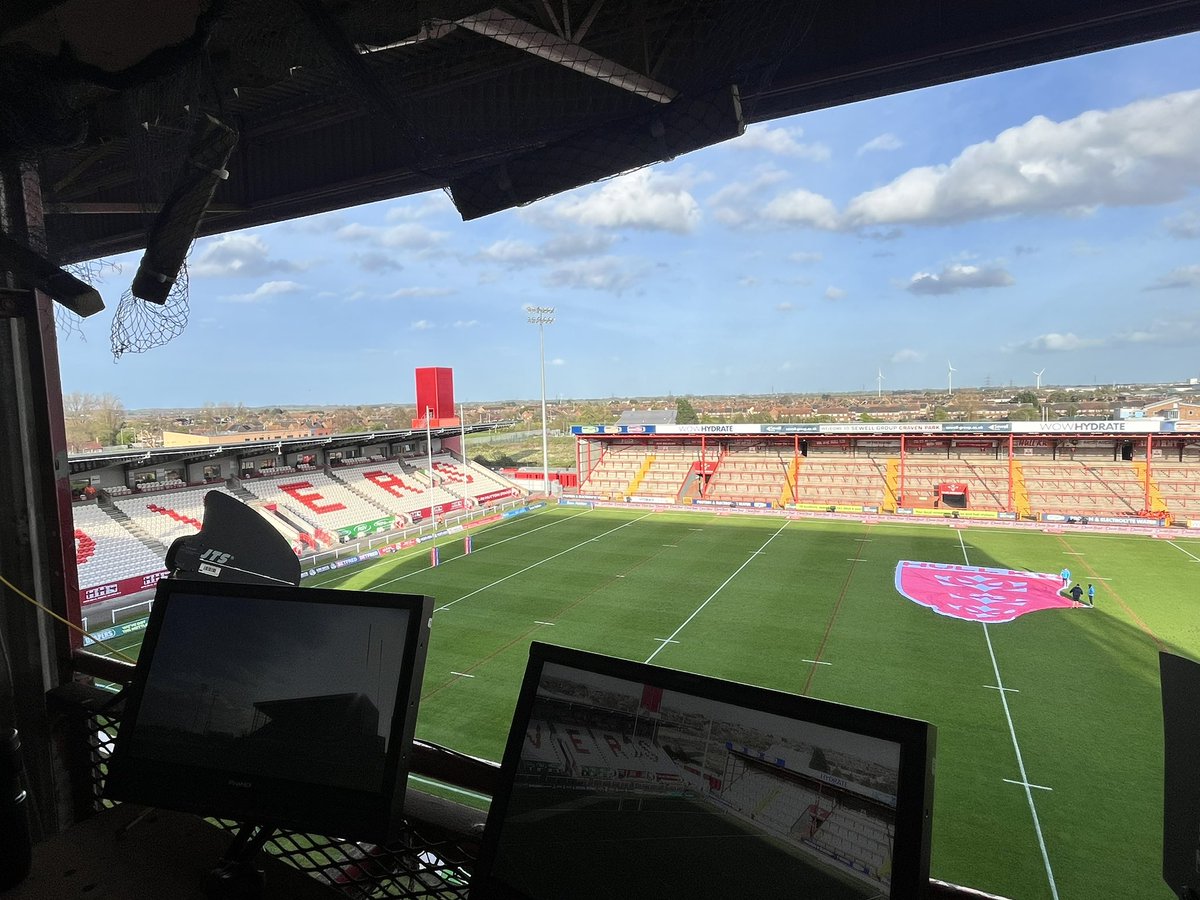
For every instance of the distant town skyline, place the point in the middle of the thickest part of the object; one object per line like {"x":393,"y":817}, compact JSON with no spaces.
{"x":1041,"y":220}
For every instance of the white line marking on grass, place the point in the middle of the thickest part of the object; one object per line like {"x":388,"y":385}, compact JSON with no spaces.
{"x":1074,"y":553}
{"x":1037,"y":825}
{"x":1181,"y":550}
{"x":819,"y":662}
{"x":462,"y":674}
{"x":1040,"y":787}
{"x":854,"y":559}
{"x":536,"y":564}
{"x":515,"y":537}
{"x":1009,"y":690}
{"x":448,"y":787}
{"x":670,"y":545}
{"x":696,"y":612}
{"x":666,"y":641}
{"x":539,"y":622}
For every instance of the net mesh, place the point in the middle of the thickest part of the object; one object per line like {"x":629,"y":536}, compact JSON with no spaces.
{"x":139,"y":325}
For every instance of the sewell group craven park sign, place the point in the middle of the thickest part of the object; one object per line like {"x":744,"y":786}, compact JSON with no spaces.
{"x":1075,"y":427}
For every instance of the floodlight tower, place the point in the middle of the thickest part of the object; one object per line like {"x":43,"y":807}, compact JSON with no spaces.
{"x":1038,"y":376}
{"x":541,"y":316}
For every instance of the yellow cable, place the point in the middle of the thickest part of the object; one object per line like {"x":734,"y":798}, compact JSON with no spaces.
{"x":20,"y":593}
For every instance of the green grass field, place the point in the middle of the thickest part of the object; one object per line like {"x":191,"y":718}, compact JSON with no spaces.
{"x":750,"y":599}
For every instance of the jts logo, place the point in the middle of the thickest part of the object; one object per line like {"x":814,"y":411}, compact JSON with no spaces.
{"x":216,"y":556}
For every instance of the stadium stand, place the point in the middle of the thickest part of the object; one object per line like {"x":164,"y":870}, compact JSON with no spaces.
{"x":1178,"y":485}
{"x":470,"y":480}
{"x":316,"y":499}
{"x":836,"y":479}
{"x":854,"y":836}
{"x":167,"y":515}
{"x":106,"y":551}
{"x":749,"y":476}
{"x":615,"y":471}
{"x":1083,"y":488}
{"x":987,"y":480}
{"x":666,"y":474}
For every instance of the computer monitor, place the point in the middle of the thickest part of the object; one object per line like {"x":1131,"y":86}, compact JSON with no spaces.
{"x":621,"y":779}
{"x":277,"y":705}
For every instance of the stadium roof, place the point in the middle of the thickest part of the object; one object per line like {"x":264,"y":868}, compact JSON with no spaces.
{"x":334,"y":104}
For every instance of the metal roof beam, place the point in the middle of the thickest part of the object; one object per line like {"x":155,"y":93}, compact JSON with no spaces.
{"x":514,"y":32}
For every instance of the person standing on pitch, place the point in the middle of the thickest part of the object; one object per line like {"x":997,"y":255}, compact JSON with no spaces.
{"x":1091,"y":595}
{"x":1076,"y":593}
{"x":1066,"y":577}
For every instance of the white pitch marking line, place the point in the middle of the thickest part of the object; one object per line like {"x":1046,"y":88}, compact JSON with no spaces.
{"x":462,"y":674}
{"x":855,"y":559}
{"x":1074,"y":553}
{"x":535,"y":565}
{"x":1009,"y":690}
{"x":1040,"y":787}
{"x":538,"y":622}
{"x":670,"y":545}
{"x":1037,"y":825}
{"x":666,"y":641}
{"x":448,"y":787}
{"x":480,"y":550}
{"x":1181,"y":550}
{"x":620,"y":576}
{"x":736,"y":571}
{"x":818,"y":662}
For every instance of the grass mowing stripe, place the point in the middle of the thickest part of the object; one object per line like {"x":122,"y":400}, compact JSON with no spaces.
{"x":1125,"y":606}
{"x":1037,"y":825}
{"x":1181,"y":550}
{"x":816,"y":660}
{"x":540,"y":562}
{"x":696,"y":612}
{"x":449,"y":559}
{"x":524,"y":635}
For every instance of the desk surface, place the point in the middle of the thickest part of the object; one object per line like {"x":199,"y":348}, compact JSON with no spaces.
{"x":165,"y":855}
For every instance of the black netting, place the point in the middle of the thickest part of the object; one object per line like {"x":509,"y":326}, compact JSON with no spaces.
{"x":139,"y":325}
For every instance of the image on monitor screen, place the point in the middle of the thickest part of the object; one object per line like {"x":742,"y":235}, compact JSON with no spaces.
{"x":661,"y":786}
{"x":248,"y":694}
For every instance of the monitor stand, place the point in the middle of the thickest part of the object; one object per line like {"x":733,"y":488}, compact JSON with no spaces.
{"x":239,"y":877}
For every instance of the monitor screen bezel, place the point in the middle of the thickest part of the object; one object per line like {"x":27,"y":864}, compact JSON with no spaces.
{"x":917,"y":741}
{"x":343,"y":812}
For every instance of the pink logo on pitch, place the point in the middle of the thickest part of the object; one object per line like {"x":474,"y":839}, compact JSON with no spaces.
{"x":979,"y":594}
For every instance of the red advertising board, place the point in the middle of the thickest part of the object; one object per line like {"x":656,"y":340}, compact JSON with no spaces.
{"x":496,"y":495}
{"x":122,"y":588}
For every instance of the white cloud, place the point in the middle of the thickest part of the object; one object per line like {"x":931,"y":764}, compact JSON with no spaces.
{"x":605,"y":273}
{"x":558,"y":361}
{"x":644,"y":199}
{"x":239,"y":254}
{"x":517,"y":254}
{"x":785,"y":307}
{"x":834,"y":293}
{"x":1183,"y":277}
{"x":510,"y":252}
{"x":740,"y":202}
{"x":781,"y":142}
{"x":956,"y":277}
{"x":906,"y":355}
{"x":422,"y":325}
{"x":265,"y":290}
{"x":467,"y":323}
{"x":429,"y":205}
{"x":1139,"y":154}
{"x":804,"y":257}
{"x":1053,"y":342}
{"x":802,"y":207}
{"x":886,"y":141}
{"x":1185,"y":225}
{"x":419,"y":292}
{"x":406,"y":236}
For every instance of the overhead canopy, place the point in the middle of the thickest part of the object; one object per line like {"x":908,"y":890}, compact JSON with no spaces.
{"x":333,"y":104}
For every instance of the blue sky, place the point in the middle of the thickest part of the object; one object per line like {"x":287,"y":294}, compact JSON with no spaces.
{"x":1042,"y":218}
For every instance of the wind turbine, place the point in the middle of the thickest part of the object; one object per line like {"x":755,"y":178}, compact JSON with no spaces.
{"x":950,"y":370}
{"x":1038,"y":375}
{"x":879,"y":381}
